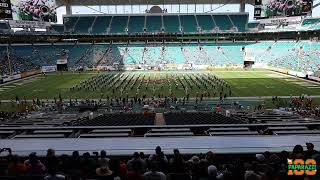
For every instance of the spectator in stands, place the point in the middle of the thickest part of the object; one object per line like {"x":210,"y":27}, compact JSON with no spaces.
{"x":213,"y":173}
{"x":119,"y":168}
{"x":141,"y":162}
{"x":194,"y":167}
{"x":260,"y":157}
{"x":134,"y":173}
{"x":51,"y":160}
{"x":103,"y":156}
{"x":103,"y":172}
{"x":160,"y":159}
{"x":284,"y":155}
{"x":15,"y":167}
{"x":53,"y":175}
{"x":209,"y":159}
{"x":34,"y":165}
{"x":153,"y":174}
{"x":251,"y":175}
{"x":143,"y":157}
{"x":310,"y":151}
{"x":64,"y":164}
{"x":75,"y":164}
{"x":87,"y":165}
{"x":297,"y":152}
{"x":158,"y":152}
{"x":177,"y":164}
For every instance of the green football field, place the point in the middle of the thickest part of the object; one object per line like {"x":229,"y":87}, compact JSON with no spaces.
{"x":149,"y":84}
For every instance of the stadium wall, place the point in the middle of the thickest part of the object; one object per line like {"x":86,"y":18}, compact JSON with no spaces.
{"x":30,"y":73}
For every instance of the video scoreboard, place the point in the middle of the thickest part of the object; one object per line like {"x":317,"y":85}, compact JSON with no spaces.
{"x":5,"y":9}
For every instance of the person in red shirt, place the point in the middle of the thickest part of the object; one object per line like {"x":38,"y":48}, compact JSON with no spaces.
{"x":15,"y":167}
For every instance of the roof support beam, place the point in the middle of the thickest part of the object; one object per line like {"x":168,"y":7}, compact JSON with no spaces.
{"x":316,"y":5}
{"x":242,"y":6}
{"x":68,"y":8}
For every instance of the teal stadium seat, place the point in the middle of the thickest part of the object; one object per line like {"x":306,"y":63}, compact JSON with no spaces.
{"x":58,"y":28}
{"x":223,"y":22}
{"x":173,"y":54}
{"x":171,"y":24}
{"x":310,"y":24}
{"x":4,"y":26}
{"x":206,"y":23}
{"x":134,"y":54}
{"x":69,"y":23}
{"x":252,"y":25}
{"x":84,"y":24}
{"x":136,"y":24}
{"x":240,"y":21}
{"x":189,"y":23}
{"x":154,"y":23}
{"x":153,"y":55}
{"x":101,"y":24}
{"x":292,"y":55}
{"x":310,"y":21}
{"x":118,"y":24}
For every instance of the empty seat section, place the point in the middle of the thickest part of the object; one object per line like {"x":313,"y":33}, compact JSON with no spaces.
{"x":119,"y":120}
{"x":154,"y":23}
{"x":171,"y":24}
{"x":136,"y":24}
{"x":231,"y":133}
{"x":240,"y":21}
{"x":198,"y":118}
{"x":36,"y":136}
{"x":101,"y":24}
{"x":223,"y":22}
{"x":206,"y":23}
{"x":118,"y":24}
{"x":167,"y":134}
{"x":189,"y":23}
{"x":104,"y":135}
{"x":69,"y":23}
{"x":84,"y":24}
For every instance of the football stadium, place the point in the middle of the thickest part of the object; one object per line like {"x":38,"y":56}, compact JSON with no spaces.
{"x":156,"y":90}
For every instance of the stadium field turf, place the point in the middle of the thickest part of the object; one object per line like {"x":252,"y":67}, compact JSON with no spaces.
{"x":194,"y":83}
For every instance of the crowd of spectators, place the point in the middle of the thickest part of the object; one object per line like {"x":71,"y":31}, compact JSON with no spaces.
{"x":157,"y":166}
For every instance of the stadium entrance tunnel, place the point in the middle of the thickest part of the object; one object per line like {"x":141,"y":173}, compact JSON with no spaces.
{"x":248,"y":64}
{"x":62,"y":67}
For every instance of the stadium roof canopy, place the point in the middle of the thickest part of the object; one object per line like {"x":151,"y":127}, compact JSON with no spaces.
{"x":149,"y":2}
